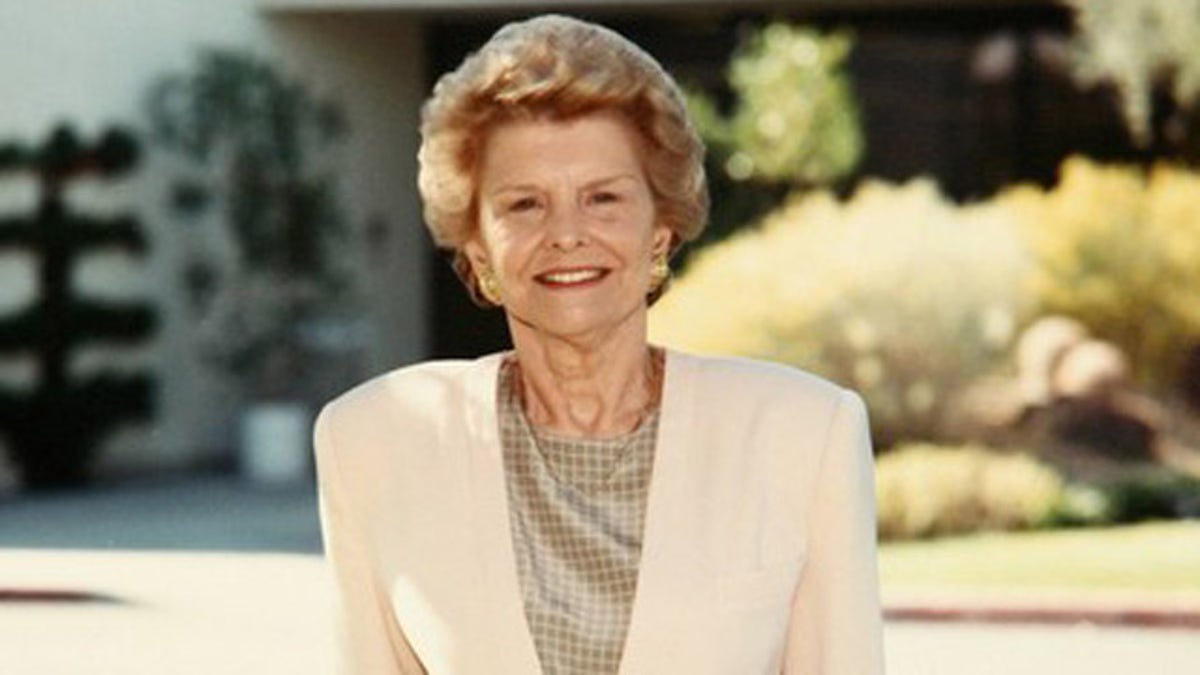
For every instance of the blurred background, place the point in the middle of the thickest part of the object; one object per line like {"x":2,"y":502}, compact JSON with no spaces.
{"x":984,"y":215}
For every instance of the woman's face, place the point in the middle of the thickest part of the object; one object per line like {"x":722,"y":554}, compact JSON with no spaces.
{"x":567,"y":224}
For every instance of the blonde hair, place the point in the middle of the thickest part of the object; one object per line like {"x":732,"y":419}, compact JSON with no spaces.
{"x":558,"y":68}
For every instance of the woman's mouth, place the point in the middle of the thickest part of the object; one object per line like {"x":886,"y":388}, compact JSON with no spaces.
{"x":571,"y":277}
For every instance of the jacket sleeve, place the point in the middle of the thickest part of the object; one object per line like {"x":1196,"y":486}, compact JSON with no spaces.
{"x":369,"y":640}
{"x":836,"y":625}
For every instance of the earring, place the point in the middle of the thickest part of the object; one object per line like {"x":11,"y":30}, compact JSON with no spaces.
{"x":659,"y":271}
{"x":489,"y":288}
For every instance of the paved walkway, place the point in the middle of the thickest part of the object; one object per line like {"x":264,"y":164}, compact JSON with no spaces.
{"x":210,"y":575}
{"x":184,"y":575}
{"x":178,"y":613}
{"x":206,"y":512}
{"x":1080,"y":649}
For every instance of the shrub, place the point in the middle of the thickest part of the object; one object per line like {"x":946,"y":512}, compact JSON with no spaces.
{"x":260,"y":151}
{"x":1135,"y":497}
{"x":55,"y":426}
{"x":1146,"y":49}
{"x":1119,"y":249}
{"x":791,"y":120}
{"x":795,"y":119}
{"x":910,"y":299}
{"x":895,"y":292}
{"x":926,"y":490}
{"x":1152,"y":497}
{"x":1081,"y":505}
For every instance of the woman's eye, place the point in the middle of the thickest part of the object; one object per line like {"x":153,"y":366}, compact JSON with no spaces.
{"x":523,"y":204}
{"x":605,"y":198}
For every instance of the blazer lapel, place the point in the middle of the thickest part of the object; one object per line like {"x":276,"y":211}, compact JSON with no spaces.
{"x":501,"y":611}
{"x":670,"y":525}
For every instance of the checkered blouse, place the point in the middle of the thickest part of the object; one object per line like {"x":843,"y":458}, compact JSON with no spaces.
{"x":577,"y":507}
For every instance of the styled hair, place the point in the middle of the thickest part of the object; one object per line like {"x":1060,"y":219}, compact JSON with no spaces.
{"x":559,"y":68}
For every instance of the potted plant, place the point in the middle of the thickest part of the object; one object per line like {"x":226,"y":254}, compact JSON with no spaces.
{"x":257,"y":151}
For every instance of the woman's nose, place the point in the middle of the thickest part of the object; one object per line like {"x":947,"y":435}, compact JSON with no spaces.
{"x":567,"y":229}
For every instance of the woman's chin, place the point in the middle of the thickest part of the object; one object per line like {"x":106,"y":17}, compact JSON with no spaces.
{"x":581,"y":323}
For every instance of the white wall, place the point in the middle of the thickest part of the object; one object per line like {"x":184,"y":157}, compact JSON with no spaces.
{"x":88,"y":61}
{"x":88,"y":64}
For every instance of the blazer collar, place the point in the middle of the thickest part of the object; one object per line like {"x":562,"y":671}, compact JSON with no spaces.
{"x":502,"y":610}
{"x":666,"y":527}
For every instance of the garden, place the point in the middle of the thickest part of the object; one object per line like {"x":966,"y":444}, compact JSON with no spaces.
{"x":1030,"y":359}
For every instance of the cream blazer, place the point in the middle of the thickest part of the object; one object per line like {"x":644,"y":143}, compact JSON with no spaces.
{"x":759,"y":546}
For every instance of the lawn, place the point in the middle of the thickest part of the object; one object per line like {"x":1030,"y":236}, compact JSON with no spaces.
{"x":1162,"y":556}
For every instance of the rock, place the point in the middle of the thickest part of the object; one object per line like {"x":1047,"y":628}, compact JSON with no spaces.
{"x":1040,"y":349}
{"x":1092,"y":369}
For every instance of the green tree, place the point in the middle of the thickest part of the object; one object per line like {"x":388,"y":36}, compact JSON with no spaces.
{"x":1149,"y":51}
{"x":55,"y":426}
{"x":261,"y":150}
{"x":793,"y":121}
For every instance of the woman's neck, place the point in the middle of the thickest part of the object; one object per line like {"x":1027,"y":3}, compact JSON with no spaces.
{"x":587,"y":390}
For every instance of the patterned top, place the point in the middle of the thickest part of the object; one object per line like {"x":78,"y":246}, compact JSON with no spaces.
{"x":577,"y":508}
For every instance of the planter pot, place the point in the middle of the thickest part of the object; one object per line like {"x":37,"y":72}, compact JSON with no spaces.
{"x":275,"y":444}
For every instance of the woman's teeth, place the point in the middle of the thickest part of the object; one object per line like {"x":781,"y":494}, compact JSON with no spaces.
{"x":572,"y":277}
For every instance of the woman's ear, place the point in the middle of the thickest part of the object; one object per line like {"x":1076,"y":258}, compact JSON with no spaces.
{"x":477,"y":255}
{"x":661,"y":240}
{"x":485,"y":282}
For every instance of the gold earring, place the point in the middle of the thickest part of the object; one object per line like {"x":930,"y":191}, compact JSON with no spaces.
{"x":659,"y":271}
{"x":489,"y":287}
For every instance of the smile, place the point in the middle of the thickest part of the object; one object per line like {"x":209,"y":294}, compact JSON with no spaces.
{"x":571,"y":277}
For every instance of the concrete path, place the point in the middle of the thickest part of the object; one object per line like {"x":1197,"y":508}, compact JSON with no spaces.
{"x":210,"y":575}
{"x":206,"y":512}
{"x":201,"y":574}
{"x":1082,"y":649}
{"x":154,"y":613}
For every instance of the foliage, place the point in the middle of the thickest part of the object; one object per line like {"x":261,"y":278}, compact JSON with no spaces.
{"x":1119,"y":250}
{"x":1146,"y":49}
{"x":895,"y":292}
{"x":926,"y":490}
{"x":910,"y":299}
{"x":1153,"y":497}
{"x":55,"y":426}
{"x":794,"y":121}
{"x":259,"y":146}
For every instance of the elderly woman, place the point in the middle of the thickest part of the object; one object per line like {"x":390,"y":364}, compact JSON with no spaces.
{"x":588,"y":502}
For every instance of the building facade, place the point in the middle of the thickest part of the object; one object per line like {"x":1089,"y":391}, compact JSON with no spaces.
{"x":972,"y":92}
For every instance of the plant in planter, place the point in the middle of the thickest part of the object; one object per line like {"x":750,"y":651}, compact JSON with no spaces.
{"x":55,"y":426}
{"x":257,"y":147}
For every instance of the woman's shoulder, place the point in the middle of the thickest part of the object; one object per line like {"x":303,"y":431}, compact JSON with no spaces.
{"x":420,"y":385}
{"x":745,"y":376}
{"x":742,"y":387}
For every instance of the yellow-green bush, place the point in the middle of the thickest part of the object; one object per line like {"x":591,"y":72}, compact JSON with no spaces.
{"x":795,"y":118}
{"x":1118,"y":248}
{"x":927,"y":490}
{"x":907,"y":297}
{"x":896,"y":292}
